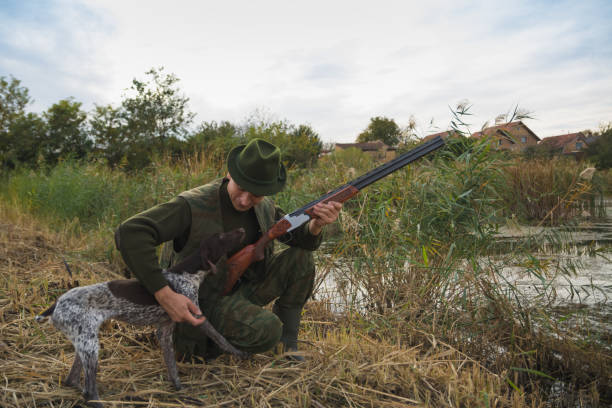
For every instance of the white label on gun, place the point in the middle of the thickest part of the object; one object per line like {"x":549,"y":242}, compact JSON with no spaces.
{"x":296,"y":220}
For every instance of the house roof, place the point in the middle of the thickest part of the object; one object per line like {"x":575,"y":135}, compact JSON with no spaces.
{"x":444,"y":135}
{"x":506,"y":129}
{"x":562,"y":140}
{"x":366,"y":146}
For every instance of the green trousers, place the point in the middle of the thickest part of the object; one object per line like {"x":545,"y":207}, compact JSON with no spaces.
{"x":240,"y":316}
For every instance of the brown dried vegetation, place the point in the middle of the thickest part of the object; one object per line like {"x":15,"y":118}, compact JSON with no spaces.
{"x":345,"y":366}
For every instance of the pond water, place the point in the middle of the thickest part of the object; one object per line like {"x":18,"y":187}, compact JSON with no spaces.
{"x":579,"y":276}
{"x":582,"y":254}
{"x":580,"y":259}
{"x":578,"y":262}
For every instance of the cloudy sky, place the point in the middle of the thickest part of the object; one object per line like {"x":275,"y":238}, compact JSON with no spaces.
{"x":330,"y":64}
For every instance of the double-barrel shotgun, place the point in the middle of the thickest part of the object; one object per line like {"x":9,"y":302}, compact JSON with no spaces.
{"x":241,"y":260}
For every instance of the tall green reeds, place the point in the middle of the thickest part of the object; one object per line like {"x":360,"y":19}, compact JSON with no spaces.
{"x":89,"y":200}
{"x":94,"y":195}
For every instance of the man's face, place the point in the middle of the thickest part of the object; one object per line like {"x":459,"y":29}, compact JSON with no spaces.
{"x":242,"y":200}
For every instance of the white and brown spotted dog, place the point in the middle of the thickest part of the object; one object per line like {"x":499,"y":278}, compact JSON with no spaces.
{"x":79,"y":312}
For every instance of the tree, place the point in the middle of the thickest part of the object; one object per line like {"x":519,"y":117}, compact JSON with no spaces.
{"x":154,"y":118}
{"x":13,"y":100}
{"x":304,"y":146}
{"x":600,"y":151}
{"x":107,"y":130}
{"x":215,"y":139}
{"x":66,"y":134}
{"x":383,"y":129}
{"x":300,"y":146}
{"x":26,"y":134}
{"x":156,"y":111}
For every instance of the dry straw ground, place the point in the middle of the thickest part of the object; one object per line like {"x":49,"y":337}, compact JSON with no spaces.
{"x":345,"y":367}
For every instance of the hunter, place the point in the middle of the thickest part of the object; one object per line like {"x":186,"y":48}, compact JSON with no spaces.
{"x":241,"y":199}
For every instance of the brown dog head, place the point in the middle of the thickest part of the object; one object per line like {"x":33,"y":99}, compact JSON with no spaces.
{"x":219,"y":244}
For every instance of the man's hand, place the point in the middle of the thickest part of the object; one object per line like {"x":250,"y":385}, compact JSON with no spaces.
{"x":179,"y":307}
{"x":324,"y":213}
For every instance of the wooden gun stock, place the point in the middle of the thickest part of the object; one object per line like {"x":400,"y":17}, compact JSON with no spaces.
{"x":240,"y":261}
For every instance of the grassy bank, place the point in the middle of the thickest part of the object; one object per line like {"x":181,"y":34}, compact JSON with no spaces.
{"x":427,"y":315}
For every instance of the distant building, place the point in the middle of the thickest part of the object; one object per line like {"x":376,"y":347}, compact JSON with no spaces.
{"x":378,"y":150}
{"x":512,"y":136}
{"x":569,"y":144}
{"x":444,"y":135}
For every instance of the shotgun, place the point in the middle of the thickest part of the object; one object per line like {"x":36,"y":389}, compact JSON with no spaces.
{"x":241,"y":260}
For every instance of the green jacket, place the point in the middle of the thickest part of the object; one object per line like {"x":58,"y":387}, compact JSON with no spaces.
{"x":183,"y":223}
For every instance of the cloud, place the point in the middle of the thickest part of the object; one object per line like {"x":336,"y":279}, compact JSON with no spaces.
{"x":49,"y":47}
{"x":330,"y":64}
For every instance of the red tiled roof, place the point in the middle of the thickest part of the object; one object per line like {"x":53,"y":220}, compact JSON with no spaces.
{"x":504,"y":127}
{"x":558,"y":142}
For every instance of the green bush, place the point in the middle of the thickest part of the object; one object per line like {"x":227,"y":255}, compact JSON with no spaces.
{"x":600,"y":152}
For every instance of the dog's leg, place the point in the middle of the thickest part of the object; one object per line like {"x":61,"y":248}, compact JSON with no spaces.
{"x":87,"y":346}
{"x":81,"y":327}
{"x":89,"y":358}
{"x":74,"y":377}
{"x":221,"y":341}
{"x":167,"y":346}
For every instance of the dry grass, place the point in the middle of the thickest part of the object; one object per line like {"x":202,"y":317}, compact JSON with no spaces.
{"x":345,"y":367}
{"x":549,"y":191}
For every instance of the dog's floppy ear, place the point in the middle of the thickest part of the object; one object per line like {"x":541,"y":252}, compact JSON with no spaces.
{"x":210,"y":250}
{"x":219,"y":244}
{"x":205,"y":252}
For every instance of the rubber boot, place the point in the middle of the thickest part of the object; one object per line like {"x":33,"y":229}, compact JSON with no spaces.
{"x":290,"y":317}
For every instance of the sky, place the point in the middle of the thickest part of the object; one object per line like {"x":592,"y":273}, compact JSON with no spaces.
{"x":330,"y":64}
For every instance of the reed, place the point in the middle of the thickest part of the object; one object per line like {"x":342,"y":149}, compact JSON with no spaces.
{"x":417,"y":256}
{"x":413,"y":304}
{"x":551,"y":191}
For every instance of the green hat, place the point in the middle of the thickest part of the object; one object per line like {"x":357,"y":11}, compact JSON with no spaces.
{"x":256,"y":167}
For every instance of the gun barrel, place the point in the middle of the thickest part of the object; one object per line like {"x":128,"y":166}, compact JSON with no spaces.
{"x":397,"y":163}
{"x":380,"y":172}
